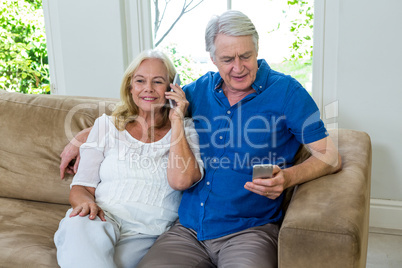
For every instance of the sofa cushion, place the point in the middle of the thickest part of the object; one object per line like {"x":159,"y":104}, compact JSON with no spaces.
{"x":26,"y":232}
{"x":33,"y":132}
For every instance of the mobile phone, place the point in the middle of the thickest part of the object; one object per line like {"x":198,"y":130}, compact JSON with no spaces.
{"x":176,"y":80}
{"x":262,"y":171}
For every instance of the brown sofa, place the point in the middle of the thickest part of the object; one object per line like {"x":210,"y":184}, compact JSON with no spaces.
{"x":326,"y":223}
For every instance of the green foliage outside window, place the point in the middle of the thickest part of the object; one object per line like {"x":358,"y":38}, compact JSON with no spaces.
{"x":298,"y":64}
{"x":184,"y":64}
{"x":23,"y":54}
{"x":302,"y":29}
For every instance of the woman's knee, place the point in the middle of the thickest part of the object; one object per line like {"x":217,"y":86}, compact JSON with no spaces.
{"x":84,"y":228}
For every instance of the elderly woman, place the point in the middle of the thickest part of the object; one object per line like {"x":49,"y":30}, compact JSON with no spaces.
{"x":133,"y":168}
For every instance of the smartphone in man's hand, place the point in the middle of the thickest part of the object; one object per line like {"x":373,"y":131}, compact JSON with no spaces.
{"x":263,"y":171}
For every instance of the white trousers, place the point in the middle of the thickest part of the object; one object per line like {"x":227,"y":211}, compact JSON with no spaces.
{"x":82,"y":242}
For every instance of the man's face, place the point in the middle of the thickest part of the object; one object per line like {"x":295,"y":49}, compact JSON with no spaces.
{"x":236,"y":59}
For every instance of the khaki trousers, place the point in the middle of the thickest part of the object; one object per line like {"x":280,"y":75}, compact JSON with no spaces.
{"x":252,"y":248}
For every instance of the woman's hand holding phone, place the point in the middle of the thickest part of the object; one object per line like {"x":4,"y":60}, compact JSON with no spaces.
{"x":177,"y":100}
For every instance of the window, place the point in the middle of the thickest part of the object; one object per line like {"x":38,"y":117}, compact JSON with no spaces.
{"x":273,"y":19}
{"x":185,"y":43}
{"x":285,"y":31}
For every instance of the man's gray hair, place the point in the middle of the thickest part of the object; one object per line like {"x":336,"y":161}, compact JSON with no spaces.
{"x":231,"y":23}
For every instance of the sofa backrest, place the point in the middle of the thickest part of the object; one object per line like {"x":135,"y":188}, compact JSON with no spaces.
{"x":33,"y":132}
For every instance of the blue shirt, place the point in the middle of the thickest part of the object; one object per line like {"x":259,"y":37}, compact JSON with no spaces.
{"x":267,"y":126}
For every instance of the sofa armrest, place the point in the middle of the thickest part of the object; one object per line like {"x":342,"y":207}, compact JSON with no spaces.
{"x":326,"y":223}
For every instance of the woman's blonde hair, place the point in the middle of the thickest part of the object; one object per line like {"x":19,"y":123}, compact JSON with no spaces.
{"x":127,"y":111}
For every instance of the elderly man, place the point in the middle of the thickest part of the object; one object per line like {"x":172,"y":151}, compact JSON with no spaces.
{"x":245,"y":114}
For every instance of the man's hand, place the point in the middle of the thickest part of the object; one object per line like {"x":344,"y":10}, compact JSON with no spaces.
{"x":272,"y":187}
{"x":324,"y":160}
{"x":70,"y":157}
{"x":88,"y":208}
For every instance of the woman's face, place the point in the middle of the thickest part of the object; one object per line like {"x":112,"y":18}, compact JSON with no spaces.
{"x":149,"y":84}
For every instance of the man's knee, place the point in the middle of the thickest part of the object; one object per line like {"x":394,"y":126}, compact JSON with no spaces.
{"x":254,"y":247}
{"x":178,"y":247}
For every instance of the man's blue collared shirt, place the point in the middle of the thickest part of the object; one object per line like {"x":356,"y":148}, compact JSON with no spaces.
{"x":267,"y":126}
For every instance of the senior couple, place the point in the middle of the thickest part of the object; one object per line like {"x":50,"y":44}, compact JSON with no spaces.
{"x":125,"y":215}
